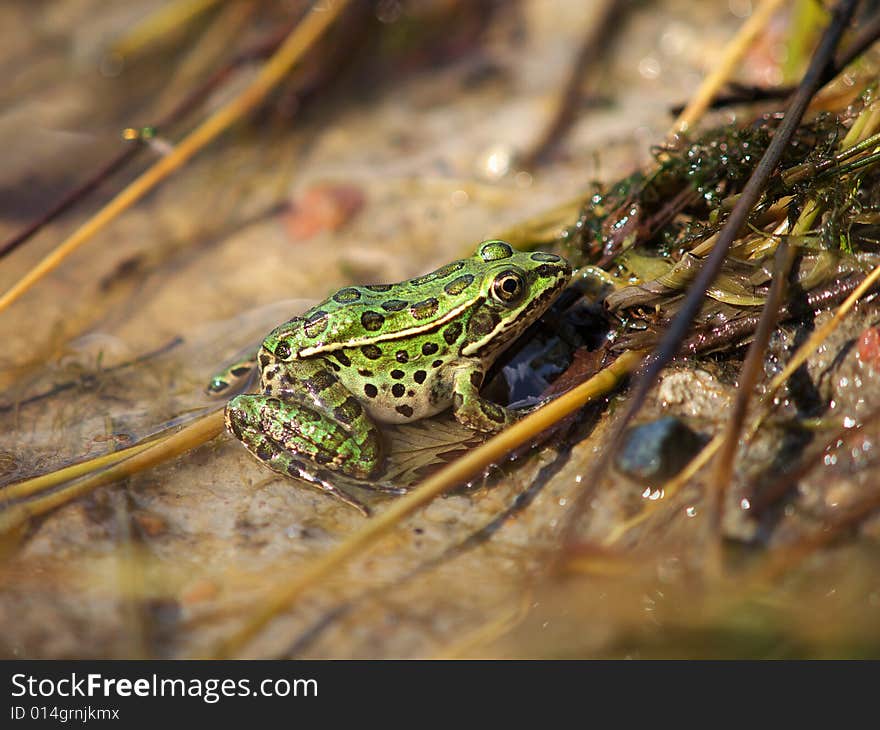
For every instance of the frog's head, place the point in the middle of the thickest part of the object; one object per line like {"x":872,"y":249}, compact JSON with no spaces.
{"x":517,"y":288}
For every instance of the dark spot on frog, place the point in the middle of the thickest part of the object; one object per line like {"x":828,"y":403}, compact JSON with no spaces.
{"x":348,"y":411}
{"x":371,"y":352}
{"x":364,"y":373}
{"x":233,"y":418}
{"x":436,"y":363}
{"x":429,"y":348}
{"x":323,"y":457}
{"x":406,"y":411}
{"x":482,"y":323}
{"x":410,"y":394}
{"x":419,"y":376}
{"x":379,"y":287}
{"x":495,"y":250}
{"x":424,"y":309}
{"x":320,"y":381}
{"x":264,"y":451}
{"x":398,"y":390}
{"x":397,"y":374}
{"x":402,"y":357}
{"x":372,"y":321}
{"x":315,"y":324}
{"x":492,"y":412}
{"x":347,"y":295}
{"x":371,"y":390}
{"x":265,"y":359}
{"x":452,"y":333}
{"x":394,"y":305}
{"x":440,"y":273}
{"x":547,"y":272}
{"x":342,"y":358}
{"x":307,"y":414}
{"x":448,"y":269}
{"x":459,"y":284}
{"x":541,"y":256}
{"x":476,"y":379}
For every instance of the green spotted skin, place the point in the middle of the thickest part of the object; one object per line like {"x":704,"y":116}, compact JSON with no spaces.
{"x":390,"y":353}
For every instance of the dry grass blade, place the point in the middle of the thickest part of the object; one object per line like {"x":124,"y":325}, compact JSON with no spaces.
{"x":748,"y":377}
{"x":31,"y":487}
{"x":602,"y":28}
{"x":730,"y":58}
{"x":300,"y":40}
{"x":169,"y":19}
{"x":187,"y":438}
{"x":820,"y":334}
{"x":492,"y":451}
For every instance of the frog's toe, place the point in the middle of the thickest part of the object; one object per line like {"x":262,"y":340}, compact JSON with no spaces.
{"x":384,"y":488}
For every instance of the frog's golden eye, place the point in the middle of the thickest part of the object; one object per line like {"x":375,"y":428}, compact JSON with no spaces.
{"x":282,"y":350}
{"x":508,"y":288}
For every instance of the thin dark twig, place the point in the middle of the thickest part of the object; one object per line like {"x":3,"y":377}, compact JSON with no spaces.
{"x":601,"y":31}
{"x":867,"y":36}
{"x":89,"y":379}
{"x":133,"y":147}
{"x":762,"y":498}
{"x":715,"y":338}
{"x":748,"y":377}
{"x":668,"y":347}
{"x":69,"y":199}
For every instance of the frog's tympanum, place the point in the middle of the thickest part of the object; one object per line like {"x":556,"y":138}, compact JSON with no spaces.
{"x":392,"y":353}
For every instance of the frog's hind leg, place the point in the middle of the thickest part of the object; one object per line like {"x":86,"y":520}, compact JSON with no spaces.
{"x":233,"y":378}
{"x":299,"y":441}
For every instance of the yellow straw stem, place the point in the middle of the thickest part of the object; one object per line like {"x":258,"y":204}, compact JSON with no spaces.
{"x":820,"y":334}
{"x":188,"y":437}
{"x":732,"y":55}
{"x":490,"y":452}
{"x":29,"y":487}
{"x":169,"y":19}
{"x":300,"y":40}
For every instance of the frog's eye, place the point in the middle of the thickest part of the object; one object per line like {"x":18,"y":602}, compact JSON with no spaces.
{"x":508,"y":288}
{"x":282,"y":350}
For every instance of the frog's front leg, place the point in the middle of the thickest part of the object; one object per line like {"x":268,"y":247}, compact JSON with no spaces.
{"x":470,"y":409}
{"x":310,"y":441}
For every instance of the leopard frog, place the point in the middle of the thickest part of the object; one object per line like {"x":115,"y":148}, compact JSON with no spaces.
{"x":390,"y":353}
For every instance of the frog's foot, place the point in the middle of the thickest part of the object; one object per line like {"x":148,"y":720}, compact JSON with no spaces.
{"x":278,"y":460}
{"x":232,"y":379}
{"x":298,"y":441}
{"x":384,"y":488}
{"x":474,"y":412}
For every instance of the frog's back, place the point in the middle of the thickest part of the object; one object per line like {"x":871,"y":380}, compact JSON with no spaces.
{"x":359,"y":315}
